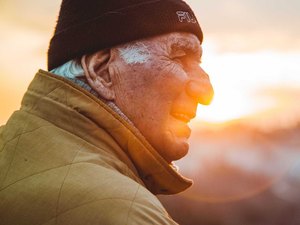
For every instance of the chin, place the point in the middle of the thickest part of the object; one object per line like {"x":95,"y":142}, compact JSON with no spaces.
{"x":175,"y":149}
{"x":171,"y":142}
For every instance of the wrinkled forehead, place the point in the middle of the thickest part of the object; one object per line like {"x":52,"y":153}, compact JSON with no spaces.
{"x":186,"y":42}
{"x":178,"y":40}
{"x":170,"y":42}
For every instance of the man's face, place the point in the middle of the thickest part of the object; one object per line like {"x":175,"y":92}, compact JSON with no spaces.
{"x":158,"y":87}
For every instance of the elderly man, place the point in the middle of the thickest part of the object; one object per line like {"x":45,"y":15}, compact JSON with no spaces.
{"x":96,"y":137}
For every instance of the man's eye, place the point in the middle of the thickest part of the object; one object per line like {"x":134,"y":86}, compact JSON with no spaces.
{"x":180,"y":57}
{"x":178,"y":60}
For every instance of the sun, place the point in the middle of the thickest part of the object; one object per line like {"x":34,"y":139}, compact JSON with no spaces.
{"x":233,"y":102}
{"x":228,"y":104}
{"x":266,"y":108}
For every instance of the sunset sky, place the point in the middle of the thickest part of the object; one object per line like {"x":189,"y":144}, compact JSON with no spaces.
{"x":251,"y":51}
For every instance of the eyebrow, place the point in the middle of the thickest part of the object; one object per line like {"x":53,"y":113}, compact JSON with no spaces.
{"x":186,"y":45}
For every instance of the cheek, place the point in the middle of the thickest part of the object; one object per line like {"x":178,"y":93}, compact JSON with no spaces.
{"x":158,"y":78}
{"x":173,"y":78}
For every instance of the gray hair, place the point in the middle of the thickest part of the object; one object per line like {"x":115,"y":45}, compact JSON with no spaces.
{"x":69,"y":70}
{"x":72,"y":70}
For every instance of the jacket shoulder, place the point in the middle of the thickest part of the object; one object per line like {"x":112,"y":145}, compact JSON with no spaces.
{"x":110,"y":198}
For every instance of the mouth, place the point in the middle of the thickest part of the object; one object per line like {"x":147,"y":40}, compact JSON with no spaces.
{"x":184,"y":117}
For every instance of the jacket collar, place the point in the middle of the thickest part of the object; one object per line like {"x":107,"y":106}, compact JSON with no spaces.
{"x":85,"y":109}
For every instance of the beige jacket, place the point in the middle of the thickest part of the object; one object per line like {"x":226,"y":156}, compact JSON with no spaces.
{"x":66,"y":158}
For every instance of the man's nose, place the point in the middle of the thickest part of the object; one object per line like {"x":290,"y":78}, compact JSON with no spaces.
{"x":201,"y":89}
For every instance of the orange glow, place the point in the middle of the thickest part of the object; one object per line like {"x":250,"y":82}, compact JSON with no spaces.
{"x":266,"y":109}
{"x":254,"y":86}
{"x":245,"y":145}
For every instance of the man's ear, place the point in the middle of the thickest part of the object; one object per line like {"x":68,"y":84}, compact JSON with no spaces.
{"x":96,"y":69}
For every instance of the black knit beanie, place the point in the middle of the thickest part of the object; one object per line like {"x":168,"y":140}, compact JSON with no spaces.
{"x":87,"y":26}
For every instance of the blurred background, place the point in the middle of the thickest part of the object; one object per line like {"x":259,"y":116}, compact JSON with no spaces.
{"x":244,"y":153}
